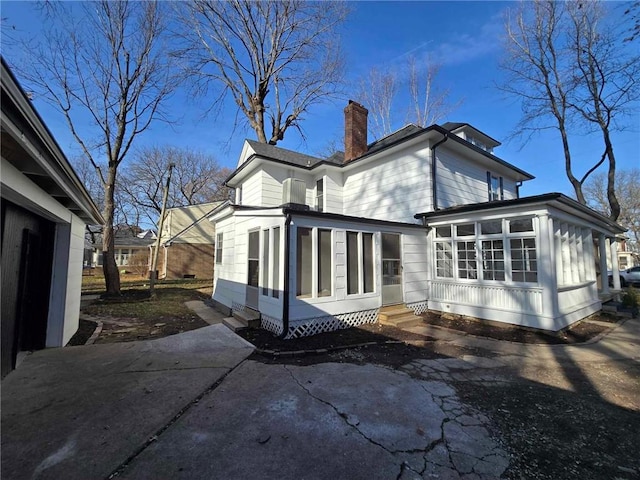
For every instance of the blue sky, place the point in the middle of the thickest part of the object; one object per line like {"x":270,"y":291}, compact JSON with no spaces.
{"x":463,"y":36}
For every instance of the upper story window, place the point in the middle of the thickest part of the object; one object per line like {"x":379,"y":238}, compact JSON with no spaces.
{"x":320,"y":195}
{"x":219,"y":248}
{"x":495,"y":187}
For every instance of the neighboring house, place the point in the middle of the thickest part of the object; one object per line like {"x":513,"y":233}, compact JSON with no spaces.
{"x":131,"y":251}
{"x":45,"y":209}
{"x":429,"y":218}
{"x":187,"y":242}
{"x":626,"y":258}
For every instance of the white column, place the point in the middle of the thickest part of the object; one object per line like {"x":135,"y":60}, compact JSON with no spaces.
{"x":614,"y":263}
{"x":604,"y":278}
{"x":547,"y":273}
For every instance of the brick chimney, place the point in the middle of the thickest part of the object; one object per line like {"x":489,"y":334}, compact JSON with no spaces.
{"x":355,"y":131}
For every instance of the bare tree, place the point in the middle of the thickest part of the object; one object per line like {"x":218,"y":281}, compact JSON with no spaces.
{"x":276,"y":58}
{"x":377,"y":92}
{"x":627,"y":190}
{"x":428,"y":104}
{"x":106,"y":71}
{"x":197,"y":178}
{"x":568,"y":71}
{"x":606,"y":81}
{"x":537,"y":73}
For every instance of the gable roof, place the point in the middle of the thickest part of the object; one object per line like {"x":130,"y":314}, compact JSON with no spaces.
{"x":452,"y":126}
{"x":307,"y":162}
{"x":282,"y":154}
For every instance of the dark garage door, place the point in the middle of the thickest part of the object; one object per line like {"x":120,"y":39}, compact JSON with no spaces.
{"x":27,"y":257}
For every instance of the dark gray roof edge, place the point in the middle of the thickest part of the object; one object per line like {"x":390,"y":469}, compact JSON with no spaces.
{"x":349,"y":218}
{"x":26,"y":107}
{"x":457,"y":125}
{"x":437,"y":128}
{"x":542,"y":198}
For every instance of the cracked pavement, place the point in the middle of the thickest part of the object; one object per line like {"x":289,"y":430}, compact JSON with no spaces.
{"x":328,"y":420}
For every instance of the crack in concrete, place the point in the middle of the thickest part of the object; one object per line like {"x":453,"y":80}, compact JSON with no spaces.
{"x":404,"y":465}
{"x":153,"y":438}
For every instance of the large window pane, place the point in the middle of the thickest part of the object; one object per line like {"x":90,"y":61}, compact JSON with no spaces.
{"x":353,"y":280}
{"x":254,"y":261}
{"x":491,"y":227}
{"x":303,"y":262}
{"x":443,"y":232}
{"x":324,"y":263}
{"x":521,"y":225}
{"x":275,"y":290}
{"x":367,"y":262}
{"x":466,"y":229}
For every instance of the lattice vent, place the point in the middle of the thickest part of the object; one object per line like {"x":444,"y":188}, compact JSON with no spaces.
{"x":271,"y":324}
{"x":237,"y":307}
{"x":418,"y":307}
{"x":329,"y":323}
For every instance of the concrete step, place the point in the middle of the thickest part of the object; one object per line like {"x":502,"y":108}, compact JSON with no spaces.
{"x":249,"y":318}
{"x":233,"y":324}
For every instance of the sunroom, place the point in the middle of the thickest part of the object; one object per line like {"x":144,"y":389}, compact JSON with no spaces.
{"x":305,"y":272}
{"x":528,"y":261}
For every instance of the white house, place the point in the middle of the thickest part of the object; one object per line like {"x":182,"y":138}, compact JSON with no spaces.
{"x":427,"y":218}
{"x":45,"y":209}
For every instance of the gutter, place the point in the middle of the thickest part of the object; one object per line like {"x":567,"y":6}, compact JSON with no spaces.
{"x":285,"y":300}
{"x":433,"y":170}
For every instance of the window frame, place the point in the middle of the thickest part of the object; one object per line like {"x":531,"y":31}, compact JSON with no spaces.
{"x":481,"y":258}
{"x":320,"y":188}
{"x":219,"y":246}
{"x":361,"y":266}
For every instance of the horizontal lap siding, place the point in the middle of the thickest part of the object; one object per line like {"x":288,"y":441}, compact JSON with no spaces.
{"x":394,"y":188}
{"x":415,"y":267}
{"x":333,"y":192}
{"x":461,"y":182}
{"x":225,"y":285}
{"x":252,"y":189}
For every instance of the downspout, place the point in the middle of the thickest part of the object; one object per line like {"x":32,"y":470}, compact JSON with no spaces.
{"x":518,"y":185}
{"x":433,"y":170}
{"x":285,"y":300}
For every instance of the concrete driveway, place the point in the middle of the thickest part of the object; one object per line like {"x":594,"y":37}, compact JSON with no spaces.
{"x":192,"y":406}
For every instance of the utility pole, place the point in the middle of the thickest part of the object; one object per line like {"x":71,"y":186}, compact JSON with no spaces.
{"x":154,"y":261}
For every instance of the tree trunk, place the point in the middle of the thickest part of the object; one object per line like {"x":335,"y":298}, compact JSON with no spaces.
{"x":577,"y":185}
{"x":611,"y":177}
{"x":109,"y":267}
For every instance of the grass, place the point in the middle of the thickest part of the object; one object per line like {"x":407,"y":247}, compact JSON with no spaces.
{"x":168,"y":301}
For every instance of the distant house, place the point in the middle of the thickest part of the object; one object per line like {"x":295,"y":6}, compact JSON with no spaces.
{"x":45,"y":209}
{"x":423,"y":219}
{"x":131,"y":251}
{"x":187,"y":242}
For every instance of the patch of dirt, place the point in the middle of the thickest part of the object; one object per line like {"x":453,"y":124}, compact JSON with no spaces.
{"x":556,"y":434}
{"x":122,"y":329}
{"x":578,"y":333}
{"x":85,"y":330}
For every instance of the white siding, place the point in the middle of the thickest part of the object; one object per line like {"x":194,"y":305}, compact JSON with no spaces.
{"x":252,"y":189}
{"x":333,"y":192}
{"x":394,"y":188}
{"x":230,"y":277}
{"x":461,"y":181}
{"x":415,"y":266}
